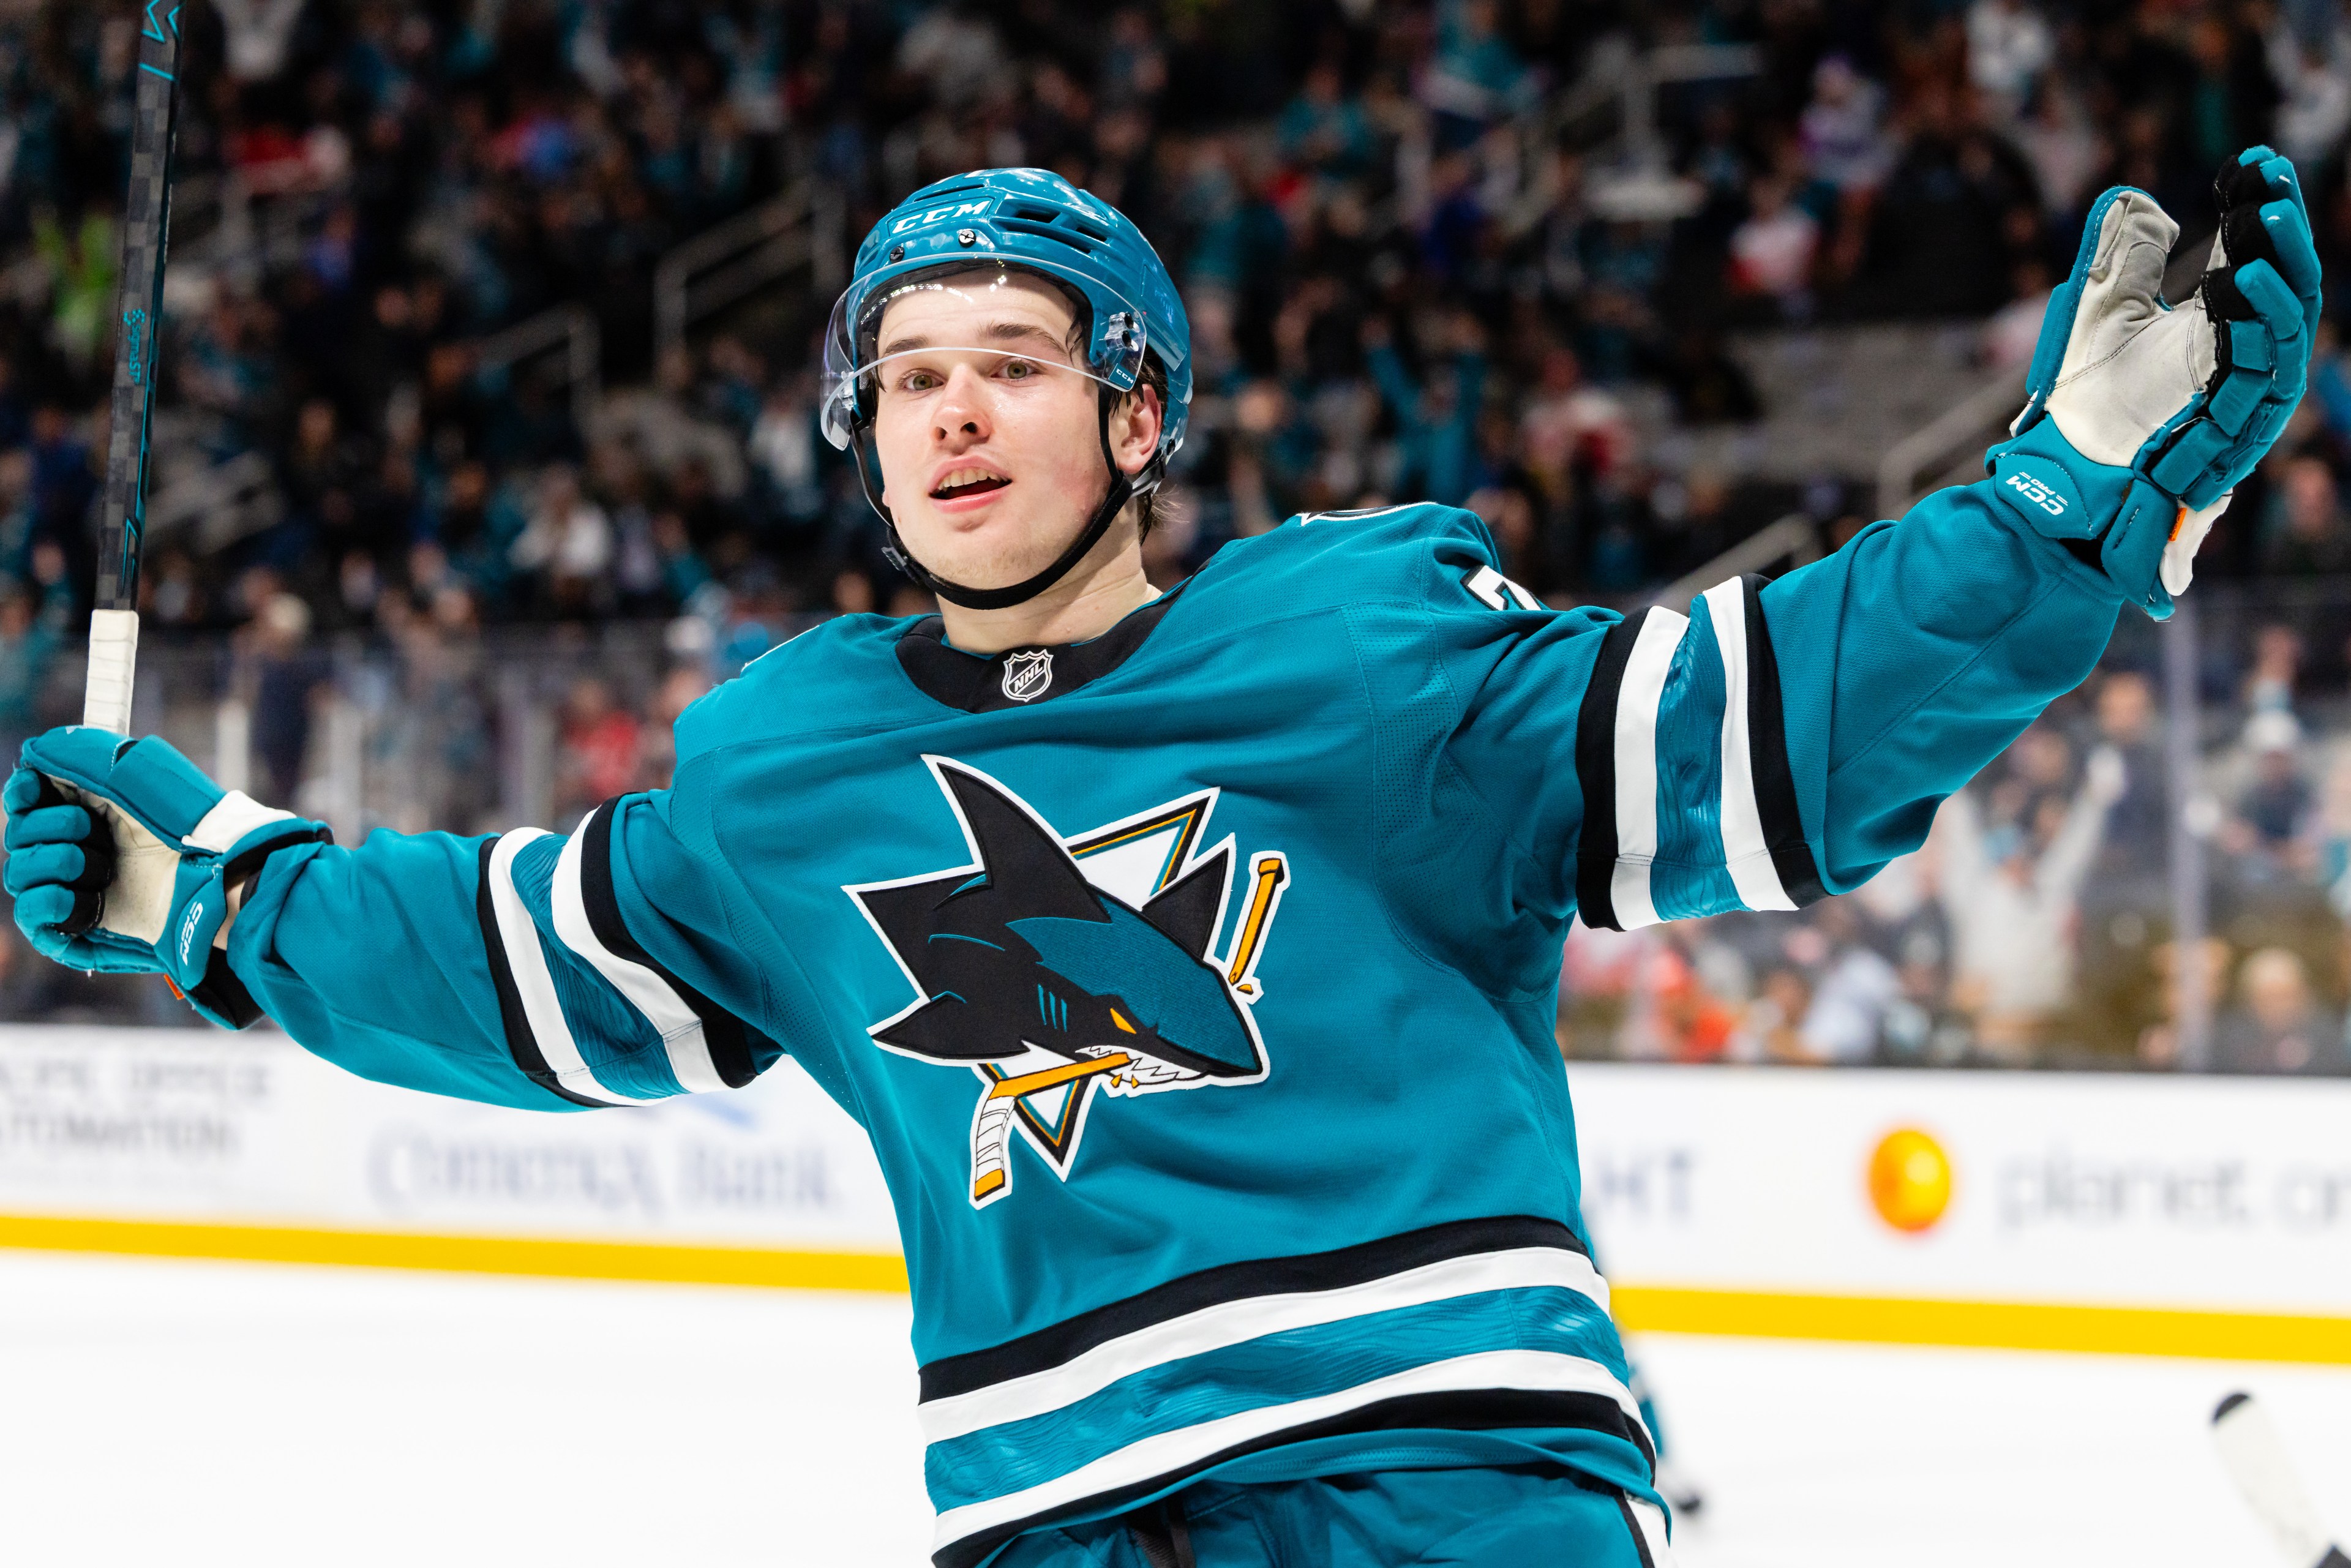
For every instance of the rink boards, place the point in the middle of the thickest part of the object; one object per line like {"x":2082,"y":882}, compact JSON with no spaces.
{"x":2162,"y":1216}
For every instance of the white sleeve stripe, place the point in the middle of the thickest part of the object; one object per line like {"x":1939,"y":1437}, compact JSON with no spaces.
{"x":1747,"y":855}
{"x":533,"y":984}
{"x":672,"y":1019}
{"x":1638,"y":697}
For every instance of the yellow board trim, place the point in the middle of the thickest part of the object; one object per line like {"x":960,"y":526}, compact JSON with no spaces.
{"x":873,"y":1272}
{"x":2003,"y":1325}
{"x":1653,"y":1308}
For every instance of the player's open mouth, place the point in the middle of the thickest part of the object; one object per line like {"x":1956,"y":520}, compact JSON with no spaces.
{"x":965,"y":482}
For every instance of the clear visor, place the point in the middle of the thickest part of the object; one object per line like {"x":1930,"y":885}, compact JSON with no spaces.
{"x":857,"y":379}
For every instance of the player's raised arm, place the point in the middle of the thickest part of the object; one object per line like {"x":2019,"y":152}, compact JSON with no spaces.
{"x":1785,"y":740}
{"x":522,"y":969}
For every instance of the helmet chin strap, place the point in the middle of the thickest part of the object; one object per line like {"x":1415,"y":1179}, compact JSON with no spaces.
{"x":1121,"y":490}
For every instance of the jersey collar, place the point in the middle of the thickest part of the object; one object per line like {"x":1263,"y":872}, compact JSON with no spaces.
{"x":1021,"y":677}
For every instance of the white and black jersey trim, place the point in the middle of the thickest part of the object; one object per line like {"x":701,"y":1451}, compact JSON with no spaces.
{"x":1491,"y":1400}
{"x":538,"y":1033}
{"x":1770,"y":865}
{"x":708,"y":1047}
{"x":522,"y":1039}
{"x":1065,"y":1341}
{"x":1490,"y":1390}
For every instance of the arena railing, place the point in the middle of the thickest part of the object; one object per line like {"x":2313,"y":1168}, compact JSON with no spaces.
{"x":729,"y":261}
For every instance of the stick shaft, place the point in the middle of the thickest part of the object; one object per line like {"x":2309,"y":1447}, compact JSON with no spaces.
{"x":2256,"y":1459}
{"x":146,"y":229}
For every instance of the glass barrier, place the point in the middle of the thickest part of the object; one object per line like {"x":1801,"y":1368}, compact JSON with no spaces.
{"x":2193,"y":797}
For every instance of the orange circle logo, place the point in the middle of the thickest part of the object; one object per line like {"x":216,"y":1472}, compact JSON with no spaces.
{"x":1910,"y":1179}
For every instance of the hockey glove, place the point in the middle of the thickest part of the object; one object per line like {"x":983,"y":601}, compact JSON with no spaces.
{"x":2142,"y":417}
{"x":121,"y":854}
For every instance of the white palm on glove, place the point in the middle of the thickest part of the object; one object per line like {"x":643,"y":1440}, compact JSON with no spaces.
{"x":2143,"y":417}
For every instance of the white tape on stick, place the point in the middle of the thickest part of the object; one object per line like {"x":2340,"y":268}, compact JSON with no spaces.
{"x":113,"y":662}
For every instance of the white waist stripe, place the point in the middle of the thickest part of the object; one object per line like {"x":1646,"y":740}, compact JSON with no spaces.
{"x":676,"y":1023}
{"x":1638,"y":693}
{"x":1236,"y":1323}
{"x":1538,"y":1370}
{"x":1747,"y":854}
{"x":518,"y":935}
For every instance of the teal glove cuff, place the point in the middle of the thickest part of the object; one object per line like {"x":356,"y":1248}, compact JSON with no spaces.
{"x":2107,"y":518}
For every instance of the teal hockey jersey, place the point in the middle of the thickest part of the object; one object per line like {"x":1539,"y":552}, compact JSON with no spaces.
{"x":1195,"y":984}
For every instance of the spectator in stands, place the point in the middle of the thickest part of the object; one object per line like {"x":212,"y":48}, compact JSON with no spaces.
{"x":1436,"y":418}
{"x":602,"y":750}
{"x":2009,"y":43}
{"x":657,"y":757}
{"x":2279,"y":1024}
{"x":566,"y":550}
{"x":2010,"y":892}
{"x":2312,"y":65}
{"x":288,"y":674}
{"x":1845,"y":1021}
{"x":2268,"y":828}
{"x":32,"y":632}
{"x":1771,"y":251}
{"x":2303,"y":535}
{"x":1323,"y":131}
{"x":1842,"y":128}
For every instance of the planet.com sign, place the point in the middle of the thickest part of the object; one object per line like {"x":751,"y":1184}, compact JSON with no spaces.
{"x":2180,"y":1194}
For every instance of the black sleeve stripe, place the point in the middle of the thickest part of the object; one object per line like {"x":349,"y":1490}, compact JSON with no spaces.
{"x":1596,"y":773}
{"x":521,"y":1043}
{"x":1767,"y":739}
{"x":729,"y":1041}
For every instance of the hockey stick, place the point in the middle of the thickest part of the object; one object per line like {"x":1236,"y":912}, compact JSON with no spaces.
{"x":2256,"y":1458}
{"x":146,"y":229}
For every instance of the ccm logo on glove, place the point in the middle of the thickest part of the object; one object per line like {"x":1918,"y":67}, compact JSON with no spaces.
{"x":188,"y":924}
{"x":2042,"y":494}
{"x":2037,"y":493}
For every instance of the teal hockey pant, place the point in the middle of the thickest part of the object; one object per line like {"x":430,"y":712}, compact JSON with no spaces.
{"x":1530,"y":1517}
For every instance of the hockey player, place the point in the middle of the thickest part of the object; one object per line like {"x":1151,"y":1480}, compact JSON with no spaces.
{"x":1190,"y":957}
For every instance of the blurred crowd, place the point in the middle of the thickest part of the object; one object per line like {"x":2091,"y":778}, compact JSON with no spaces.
{"x":1504,"y":254}
{"x":1430,"y":248}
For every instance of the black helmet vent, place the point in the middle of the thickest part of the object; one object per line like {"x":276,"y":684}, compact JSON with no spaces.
{"x":1047,"y":230}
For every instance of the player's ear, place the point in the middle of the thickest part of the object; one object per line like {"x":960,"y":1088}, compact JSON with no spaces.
{"x":1134,"y":425}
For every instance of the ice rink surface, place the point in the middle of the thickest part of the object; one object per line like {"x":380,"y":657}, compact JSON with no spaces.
{"x":166,"y":1412}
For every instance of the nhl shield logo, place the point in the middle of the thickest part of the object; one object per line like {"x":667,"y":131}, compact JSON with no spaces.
{"x":1028,"y":675}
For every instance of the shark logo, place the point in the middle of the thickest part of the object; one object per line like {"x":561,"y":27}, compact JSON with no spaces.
{"x":1057,"y":968}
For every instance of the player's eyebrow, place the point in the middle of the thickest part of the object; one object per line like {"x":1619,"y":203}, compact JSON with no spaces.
{"x":994,"y":333}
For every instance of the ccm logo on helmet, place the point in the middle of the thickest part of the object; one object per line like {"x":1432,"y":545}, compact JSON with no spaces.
{"x":940,"y":215}
{"x":2040,"y":494}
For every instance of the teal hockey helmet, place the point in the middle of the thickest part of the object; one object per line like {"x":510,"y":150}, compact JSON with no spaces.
{"x":1033,"y":221}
